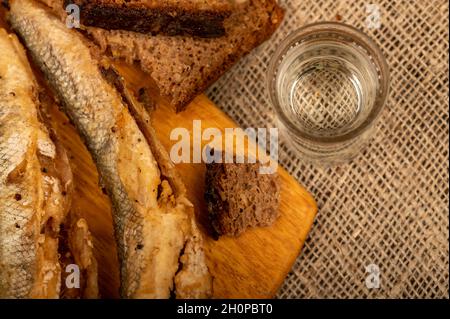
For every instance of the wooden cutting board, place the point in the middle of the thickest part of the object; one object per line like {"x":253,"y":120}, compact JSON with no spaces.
{"x":253,"y":265}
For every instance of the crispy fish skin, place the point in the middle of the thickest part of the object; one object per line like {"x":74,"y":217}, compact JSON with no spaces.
{"x":20,"y":195}
{"x":153,"y":227}
{"x":192,"y":279}
{"x":31,"y":202}
{"x":96,"y":111}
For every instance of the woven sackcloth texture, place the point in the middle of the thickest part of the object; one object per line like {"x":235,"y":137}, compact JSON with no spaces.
{"x":388,"y":206}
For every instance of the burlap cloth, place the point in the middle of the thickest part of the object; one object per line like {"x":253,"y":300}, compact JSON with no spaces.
{"x":389,"y":206}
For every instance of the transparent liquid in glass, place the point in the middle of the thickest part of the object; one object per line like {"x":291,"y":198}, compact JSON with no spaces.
{"x":327,"y":89}
{"x":328,"y":83}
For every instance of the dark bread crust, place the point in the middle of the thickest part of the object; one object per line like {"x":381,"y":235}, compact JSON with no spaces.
{"x":155,"y":21}
{"x":238,"y":197}
{"x":168,"y":20}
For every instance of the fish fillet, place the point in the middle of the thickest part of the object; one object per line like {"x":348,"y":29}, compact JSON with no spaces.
{"x":31,"y":202}
{"x":35,"y":185}
{"x":159,"y":245}
{"x":76,"y":248}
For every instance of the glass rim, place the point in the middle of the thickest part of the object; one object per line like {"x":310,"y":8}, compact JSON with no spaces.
{"x":372,"y":49}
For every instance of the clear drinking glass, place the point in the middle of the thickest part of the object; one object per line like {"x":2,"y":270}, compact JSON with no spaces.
{"x":328,"y":83}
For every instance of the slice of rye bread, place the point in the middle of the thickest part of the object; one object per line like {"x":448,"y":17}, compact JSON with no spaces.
{"x":238,"y":197}
{"x":202,"y":18}
{"x":181,"y":66}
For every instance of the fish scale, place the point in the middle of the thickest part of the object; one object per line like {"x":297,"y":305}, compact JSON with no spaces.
{"x":35,"y":190}
{"x":159,"y":245}
{"x":17,"y":244}
{"x":92,"y":113}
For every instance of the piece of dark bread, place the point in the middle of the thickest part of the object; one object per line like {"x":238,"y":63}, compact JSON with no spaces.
{"x":203,"y":18}
{"x":182,"y":66}
{"x":239,"y":197}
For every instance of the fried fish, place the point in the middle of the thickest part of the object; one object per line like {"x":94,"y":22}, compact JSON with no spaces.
{"x":159,"y":245}
{"x":35,"y":186}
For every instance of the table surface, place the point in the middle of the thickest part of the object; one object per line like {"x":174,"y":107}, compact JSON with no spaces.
{"x":389,"y":206}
